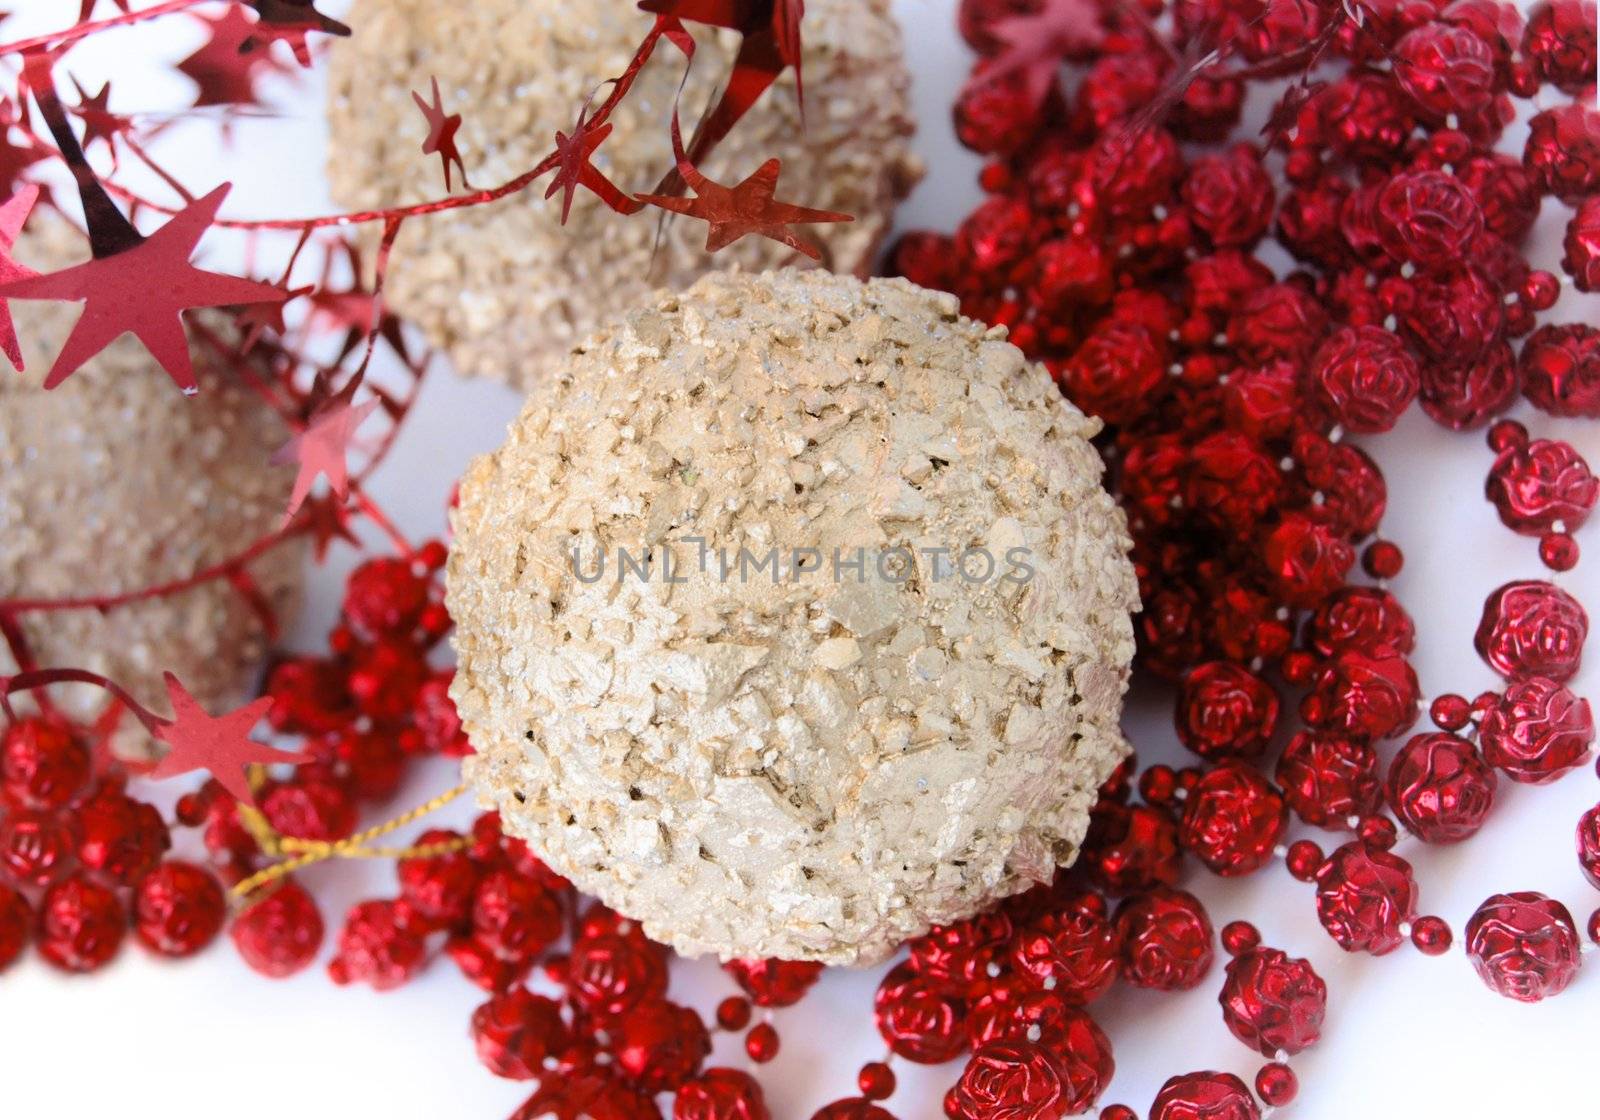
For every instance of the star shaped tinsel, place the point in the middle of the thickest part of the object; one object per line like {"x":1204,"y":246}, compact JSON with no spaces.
{"x":220,"y":745}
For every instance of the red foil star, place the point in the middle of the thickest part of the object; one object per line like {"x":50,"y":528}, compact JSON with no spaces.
{"x":88,"y":7}
{"x":748,"y":208}
{"x":574,"y":167}
{"x":13,"y":213}
{"x":288,"y":21}
{"x":99,"y":122}
{"x":321,"y":449}
{"x":1035,"y":44}
{"x":220,"y":745}
{"x":225,"y":72}
{"x":143,"y":290}
{"x":442,"y":129}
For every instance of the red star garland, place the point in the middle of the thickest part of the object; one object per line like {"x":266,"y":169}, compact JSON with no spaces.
{"x":442,"y":131}
{"x":99,"y":122}
{"x":13,"y":214}
{"x":321,"y":449}
{"x":143,"y":290}
{"x":326,"y":519}
{"x":89,"y":6}
{"x":748,"y":208}
{"x":574,"y":167}
{"x":220,"y":745}
{"x":223,"y":68}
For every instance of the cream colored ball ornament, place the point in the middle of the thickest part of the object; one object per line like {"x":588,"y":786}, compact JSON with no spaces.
{"x":115,"y":481}
{"x":504,"y":288}
{"x":802,"y":731}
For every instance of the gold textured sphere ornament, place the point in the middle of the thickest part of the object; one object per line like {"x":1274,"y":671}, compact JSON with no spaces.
{"x":115,"y":481}
{"x":504,"y":288}
{"x":869,"y":677}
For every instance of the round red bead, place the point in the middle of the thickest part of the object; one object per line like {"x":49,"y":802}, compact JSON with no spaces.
{"x":1537,"y":731}
{"x":178,"y":909}
{"x":721,"y":1094}
{"x":1272,"y":1002}
{"x":1524,"y":945}
{"x":279,"y":932}
{"x":515,"y":1031}
{"x":1204,"y":1096}
{"x":1531,"y":628}
{"x":1164,"y":940}
{"x":1440,"y":788}
{"x":81,"y":923}
{"x":1364,"y":896}
{"x":1233,"y":819}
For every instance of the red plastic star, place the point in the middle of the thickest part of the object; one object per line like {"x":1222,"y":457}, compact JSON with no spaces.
{"x":89,"y":5}
{"x":745,"y":209}
{"x":327,"y":519}
{"x":225,"y":72}
{"x":218,"y":744}
{"x":442,"y":131}
{"x":258,"y":318}
{"x":322,"y":447}
{"x":575,"y":168}
{"x":1035,"y":44}
{"x":99,"y":122}
{"x":13,"y":213}
{"x":144,"y":291}
{"x":288,"y":21}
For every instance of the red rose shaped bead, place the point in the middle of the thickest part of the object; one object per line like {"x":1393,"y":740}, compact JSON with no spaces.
{"x":1582,"y":245}
{"x":1589,"y":846}
{"x":852,"y":1108}
{"x":35,"y":848}
{"x":119,"y":837}
{"x":995,"y":112}
{"x":1164,"y":940}
{"x":178,"y":909}
{"x":310,"y":808}
{"x":1427,"y":219}
{"x":1348,"y":495}
{"x":515,"y":916}
{"x":1469,"y":394}
{"x":1536,"y":731}
{"x":1226,"y":711}
{"x":1532,"y":628}
{"x":1262,"y":403}
{"x":279,"y":932}
{"x":1306,"y":559}
{"x":1367,"y":117}
{"x":1072,"y":950}
{"x":515,"y":1032}
{"x":774,"y":983}
{"x":958,"y":955}
{"x":1506,"y":194}
{"x":435,"y":719}
{"x":42,"y":765}
{"x":1232,"y":819}
{"x":589,"y":1095}
{"x":996,"y":234}
{"x":1131,"y":848}
{"x":1560,"y":367}
{"x":308,"y":696}
{"x":16,"y":921}
{"x":1364,"y":895}
{"x":919,"y":1020}
{"x":1440,"y":787}
{"x":1536,"y":484}
{"x":1365,"y":377}
{"x":609,"y":973}
{"x":1280,"y":321}
{"x":1525,"y":946}
{"x":1010,"y":1011}
{"x":1204,"y":1096}
{"x":1117,"y":374}
{"x":1230,"y":197}
{"x":659,"y":1045}
{"x":1328,"y":778}
{"x":721,"y":1094}
{"x":440,"y":888}
{"x":1445,"y":69}
{"x":1272,"y":1002}
{"x":377,"y":947}
{"x":384,"y":597}
{"x":479,"y":964}
{"x":81,"y":924}
{"x":1563,"y":151}
{"x":1560,"y":42}
{"x":1022,"y":1079}
{"x":1232,"y":482}
{"x":1367,"y":619}
{"x":1363,"y":696}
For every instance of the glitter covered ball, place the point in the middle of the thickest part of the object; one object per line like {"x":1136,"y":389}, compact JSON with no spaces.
{"x":806,"y":733}
{"x":115,"y":481}
{"x":508,"y":290}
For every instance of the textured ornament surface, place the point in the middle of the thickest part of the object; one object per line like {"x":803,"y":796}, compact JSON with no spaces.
{"x":505,"y":288}
{"x":821,"y":766}
{"x":115,"y":481}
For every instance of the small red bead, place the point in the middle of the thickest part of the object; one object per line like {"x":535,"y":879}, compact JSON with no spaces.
{"x":1450,"y":712}
{"x":762,"y":1042}
{"x":733,"y":1013}
{"x":876,"y":1081}
{"x":1303,"y":860}
{"x":1506,"y":434}
{"x":1382,"y":560}
{"x":1276,"y":1084}
{"x":1240,"y":937}
{"x":1594,"y":926}
{"x":1431,"y":935}
{"x":1379,"y":831}
{"x":1118,"y":1112}
{"x":1158,"y":784}
{"x":1558,"y":552}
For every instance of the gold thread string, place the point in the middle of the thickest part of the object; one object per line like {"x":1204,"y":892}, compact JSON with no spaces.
{"x":303,"y":853}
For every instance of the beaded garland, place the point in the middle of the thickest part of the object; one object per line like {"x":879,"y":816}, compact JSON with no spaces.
{"x":1128,"y":267}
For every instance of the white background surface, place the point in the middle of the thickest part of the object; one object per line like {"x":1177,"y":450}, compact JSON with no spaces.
{"x":1406,"y":1035}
